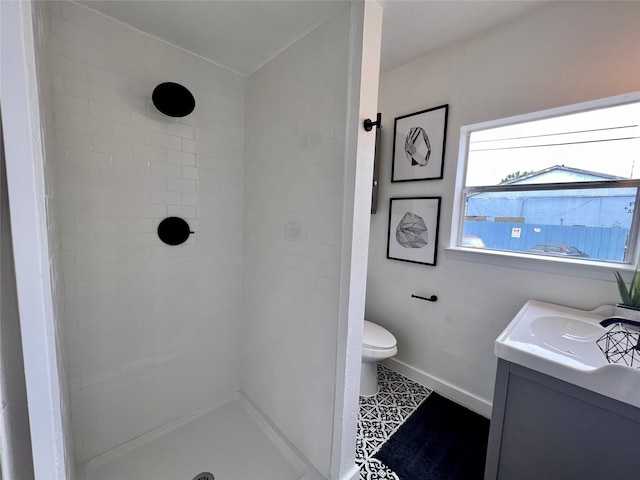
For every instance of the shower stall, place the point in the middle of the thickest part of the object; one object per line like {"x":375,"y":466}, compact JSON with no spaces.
{"x":167,"y":359}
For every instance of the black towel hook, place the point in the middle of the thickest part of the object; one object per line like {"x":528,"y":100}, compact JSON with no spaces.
{"x":432,"y":298}
{"x":368,"y":124}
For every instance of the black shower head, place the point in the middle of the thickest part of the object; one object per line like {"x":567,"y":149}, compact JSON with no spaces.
{"x":173,"y":99}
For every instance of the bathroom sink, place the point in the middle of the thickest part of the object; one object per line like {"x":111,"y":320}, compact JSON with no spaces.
{"x":561,"y":342}
{"x":569,"y":336}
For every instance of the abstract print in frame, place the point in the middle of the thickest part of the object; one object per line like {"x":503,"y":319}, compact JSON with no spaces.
{"x":413,"y":229}
{"x":419,"y":141}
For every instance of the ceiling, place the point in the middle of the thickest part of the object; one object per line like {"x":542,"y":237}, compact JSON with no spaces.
{"x":243,"y":35}
{"x":412,"y":28}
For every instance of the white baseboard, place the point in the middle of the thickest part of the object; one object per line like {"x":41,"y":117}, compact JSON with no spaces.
{"x":472,"y":402}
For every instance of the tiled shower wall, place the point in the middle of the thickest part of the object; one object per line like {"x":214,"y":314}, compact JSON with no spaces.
{"x":152,"y":331}
{"x":295,"y":175}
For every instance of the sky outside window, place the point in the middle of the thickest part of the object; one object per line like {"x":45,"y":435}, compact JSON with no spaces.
{"x":606,"y":141}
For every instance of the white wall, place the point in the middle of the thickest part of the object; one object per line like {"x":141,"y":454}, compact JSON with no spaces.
{"x":42,"y":34}
{"x":364,"y":61}
{"x":15,"y":439}
{"x":28,"y":186}
{"x":565,"y":53}
{"x":300,"y":180}
{"x":152,"y":331}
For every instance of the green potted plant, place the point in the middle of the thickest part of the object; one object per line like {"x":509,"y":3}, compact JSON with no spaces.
{"x":630,"y":296}
{"x":621,"y":343}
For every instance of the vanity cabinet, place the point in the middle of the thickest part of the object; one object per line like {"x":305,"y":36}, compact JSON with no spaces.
{"x":543,"y":428}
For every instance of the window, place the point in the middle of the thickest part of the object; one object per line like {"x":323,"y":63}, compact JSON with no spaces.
{"x":563,"y":183}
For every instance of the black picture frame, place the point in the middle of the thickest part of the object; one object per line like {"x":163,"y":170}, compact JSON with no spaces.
{"x":413,"y":229}
{"x":419,"y":144}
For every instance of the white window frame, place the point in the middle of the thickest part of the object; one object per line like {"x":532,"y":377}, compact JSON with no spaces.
{"x":576,"y":266}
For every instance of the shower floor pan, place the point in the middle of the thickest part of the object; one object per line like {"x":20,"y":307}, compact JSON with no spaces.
{"x":232,"y":442}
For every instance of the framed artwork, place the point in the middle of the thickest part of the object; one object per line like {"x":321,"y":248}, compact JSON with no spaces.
{"x":413,"y":229}
{"x":419,"y":141}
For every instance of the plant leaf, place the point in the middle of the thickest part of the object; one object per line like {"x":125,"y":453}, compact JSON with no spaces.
{"x":633,"y":285}
{"x":622,"y":288}
{"x":635,"y":297}
{"x":635,"y":300}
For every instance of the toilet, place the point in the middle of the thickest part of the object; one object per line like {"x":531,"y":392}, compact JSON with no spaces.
{"x":377,"y":344}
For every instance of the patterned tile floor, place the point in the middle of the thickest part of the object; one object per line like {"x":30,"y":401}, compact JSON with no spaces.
{"x":380,"y":416}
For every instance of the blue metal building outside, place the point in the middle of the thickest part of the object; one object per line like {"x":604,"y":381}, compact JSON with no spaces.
{"x":596,"y":221}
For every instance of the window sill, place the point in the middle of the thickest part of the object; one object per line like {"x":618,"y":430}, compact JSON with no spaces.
{"x":559,"y":266}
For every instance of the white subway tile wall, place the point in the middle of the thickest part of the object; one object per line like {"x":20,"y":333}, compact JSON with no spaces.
{"x":296,"y":116}
{"x":151,"y":331}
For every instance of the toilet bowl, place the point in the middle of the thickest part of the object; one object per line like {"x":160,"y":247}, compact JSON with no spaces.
{"x":377,"y":344}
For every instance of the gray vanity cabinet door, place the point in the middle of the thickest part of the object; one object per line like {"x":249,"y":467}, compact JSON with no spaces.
{"x":552,"y":430}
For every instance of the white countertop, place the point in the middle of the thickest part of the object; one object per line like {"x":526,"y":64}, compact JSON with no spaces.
{"x":561,"y":342}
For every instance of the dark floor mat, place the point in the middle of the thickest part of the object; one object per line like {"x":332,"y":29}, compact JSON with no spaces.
{"x":441,"y":440}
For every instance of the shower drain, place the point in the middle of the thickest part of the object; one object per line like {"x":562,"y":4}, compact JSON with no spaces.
{"x":204,"y":476}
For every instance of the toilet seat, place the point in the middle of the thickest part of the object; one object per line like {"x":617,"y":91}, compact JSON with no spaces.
{"x":375,"y":337}
{"x":377,"y":343}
